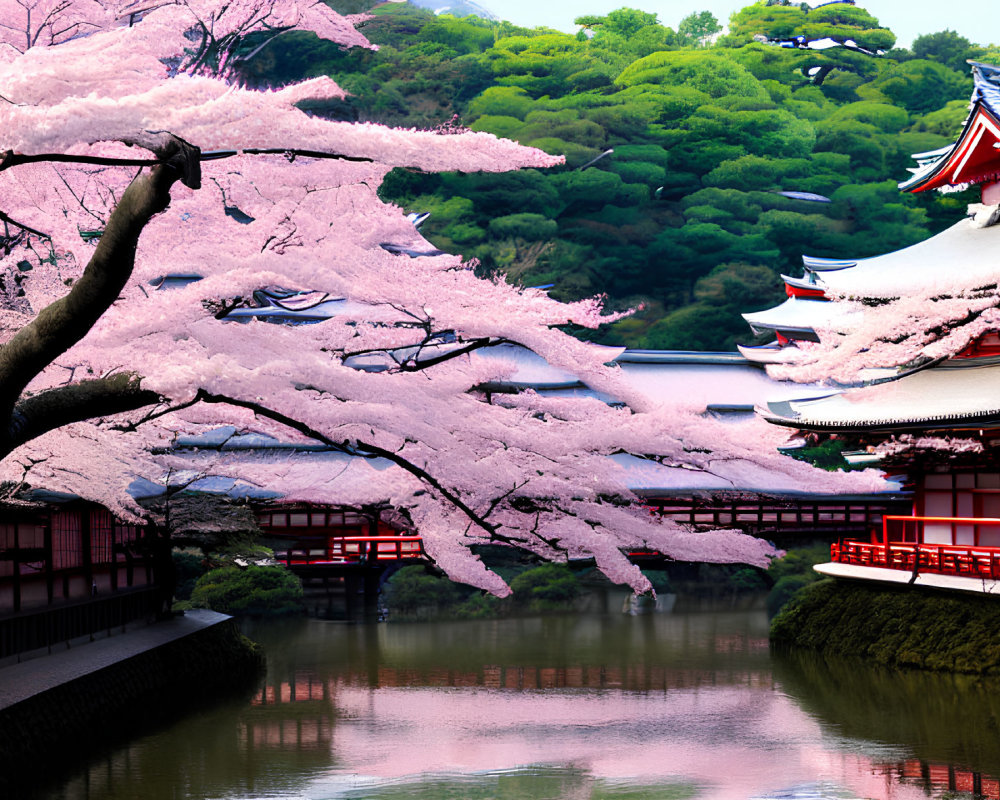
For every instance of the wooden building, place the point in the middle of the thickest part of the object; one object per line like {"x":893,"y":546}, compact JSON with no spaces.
{"x":68,"y":569}
{"x":307,"y":536}
{"x":951,"y":537}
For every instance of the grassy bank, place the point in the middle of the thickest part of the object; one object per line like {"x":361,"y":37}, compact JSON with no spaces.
{"x":902,"y":627}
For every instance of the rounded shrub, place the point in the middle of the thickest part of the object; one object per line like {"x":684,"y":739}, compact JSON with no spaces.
{"x":784,"y":589}
{"x":414,"y":591}
{"x":254,"y":591}
{"x":550,"y":587}
{"x":189,"y":568}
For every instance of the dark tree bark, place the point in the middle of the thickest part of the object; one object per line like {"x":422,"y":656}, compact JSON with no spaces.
{"x":65,"y":322}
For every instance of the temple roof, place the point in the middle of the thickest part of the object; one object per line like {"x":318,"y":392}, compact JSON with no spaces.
{"x":807,"y":281}
{"x":715,"y":381}
{"x":716,"y":358}
{"x":926,"y":267}
{"x":950,"y":395}
{"x":771,"y":353}
{"x":650,"y":479}
{"x":816,"y":264}
{"x":986,"y":88}
{"x":716,"y":386}
{"x":798,"y":317}
{"x":974,"y":158}
{"x":960,"y":258}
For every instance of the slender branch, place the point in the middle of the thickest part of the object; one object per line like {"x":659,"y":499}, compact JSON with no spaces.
{"x":472,"y":346}
{"x":22,"y":226}
{"x":291,"y":153}
{"x":12,"y":159}
{"x":160,"y":411}
{"x":361,"y":448}
{"x":498,"y":500}
{"x":425,"y":363}
{"x":79,"y":199}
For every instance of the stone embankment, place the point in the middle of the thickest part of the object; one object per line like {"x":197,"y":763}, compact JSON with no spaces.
{"x":58,"y":708}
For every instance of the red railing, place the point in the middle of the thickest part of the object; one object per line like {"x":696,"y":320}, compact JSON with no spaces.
{"x":951,"y":530}
{"x":939,"y":559}
{"x":354,"y":549}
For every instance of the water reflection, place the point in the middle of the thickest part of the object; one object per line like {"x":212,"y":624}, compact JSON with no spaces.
{"x":527,"y":783}
{"x":659,"y":706}
{"x":949,"y":722}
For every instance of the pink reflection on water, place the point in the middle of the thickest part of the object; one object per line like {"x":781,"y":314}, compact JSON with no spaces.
{"x":735,"y":741}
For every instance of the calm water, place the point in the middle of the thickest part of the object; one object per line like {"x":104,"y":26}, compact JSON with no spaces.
{"x":680,"y":705}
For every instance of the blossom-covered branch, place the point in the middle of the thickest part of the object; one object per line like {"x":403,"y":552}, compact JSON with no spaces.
{"x":168,"y":217}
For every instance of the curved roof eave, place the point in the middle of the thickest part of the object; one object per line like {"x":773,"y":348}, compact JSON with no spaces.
{"x":772,"y":353}
{"x":817,"y":264}
{"x":935,"y":175}
{"x":947,"y":395}
{"x":796,"y":315}
{"x":921,"y":266}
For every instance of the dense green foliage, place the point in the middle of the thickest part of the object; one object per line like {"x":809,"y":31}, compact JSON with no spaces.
{"x":684,"y":216}
{"x":417,"y":592}
{"x":189,"y":568}
{"x":828,"y":455}
{"x":902,"y":627}
{"x":550,"y":587}
{"x":253,"y":591}
{"x":793,"y":572}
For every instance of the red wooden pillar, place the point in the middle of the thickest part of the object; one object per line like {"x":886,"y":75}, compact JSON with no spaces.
{"x":116,"y":534}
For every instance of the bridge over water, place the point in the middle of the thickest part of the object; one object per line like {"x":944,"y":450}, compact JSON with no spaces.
{"x":343,"y":557}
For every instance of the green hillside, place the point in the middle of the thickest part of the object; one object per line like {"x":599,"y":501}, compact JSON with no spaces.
{"x":684,"y":217}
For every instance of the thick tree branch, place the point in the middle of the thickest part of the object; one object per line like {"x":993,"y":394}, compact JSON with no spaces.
{"x":75,"y":402}
{"x":12,"y":159}
{"x":66,"y":321}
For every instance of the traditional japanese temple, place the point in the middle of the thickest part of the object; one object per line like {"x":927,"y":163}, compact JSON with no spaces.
{"x":936,"y":419}
{"x":69,"y":569}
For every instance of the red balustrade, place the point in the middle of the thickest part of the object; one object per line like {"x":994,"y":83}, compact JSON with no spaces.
{"x":354,"y":549}
{"x":939,"y":559}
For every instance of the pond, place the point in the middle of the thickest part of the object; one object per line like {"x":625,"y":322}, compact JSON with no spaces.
{"x":688,"y":704}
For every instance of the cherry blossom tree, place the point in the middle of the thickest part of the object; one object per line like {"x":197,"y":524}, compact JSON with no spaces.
{"x":126,"y":156}
{"x":33,"y":23}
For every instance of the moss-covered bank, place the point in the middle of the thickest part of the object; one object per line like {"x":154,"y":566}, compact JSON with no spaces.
{"x":895,"y":627}
{"x":43,"y":737}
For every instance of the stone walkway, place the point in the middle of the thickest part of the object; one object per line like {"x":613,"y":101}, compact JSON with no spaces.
{"x":20,"y":681}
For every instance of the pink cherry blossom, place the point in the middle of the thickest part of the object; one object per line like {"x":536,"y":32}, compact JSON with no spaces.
{"x":126,"y":156}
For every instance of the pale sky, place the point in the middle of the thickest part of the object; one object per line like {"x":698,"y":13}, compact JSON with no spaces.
{"x":977,"y":20}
